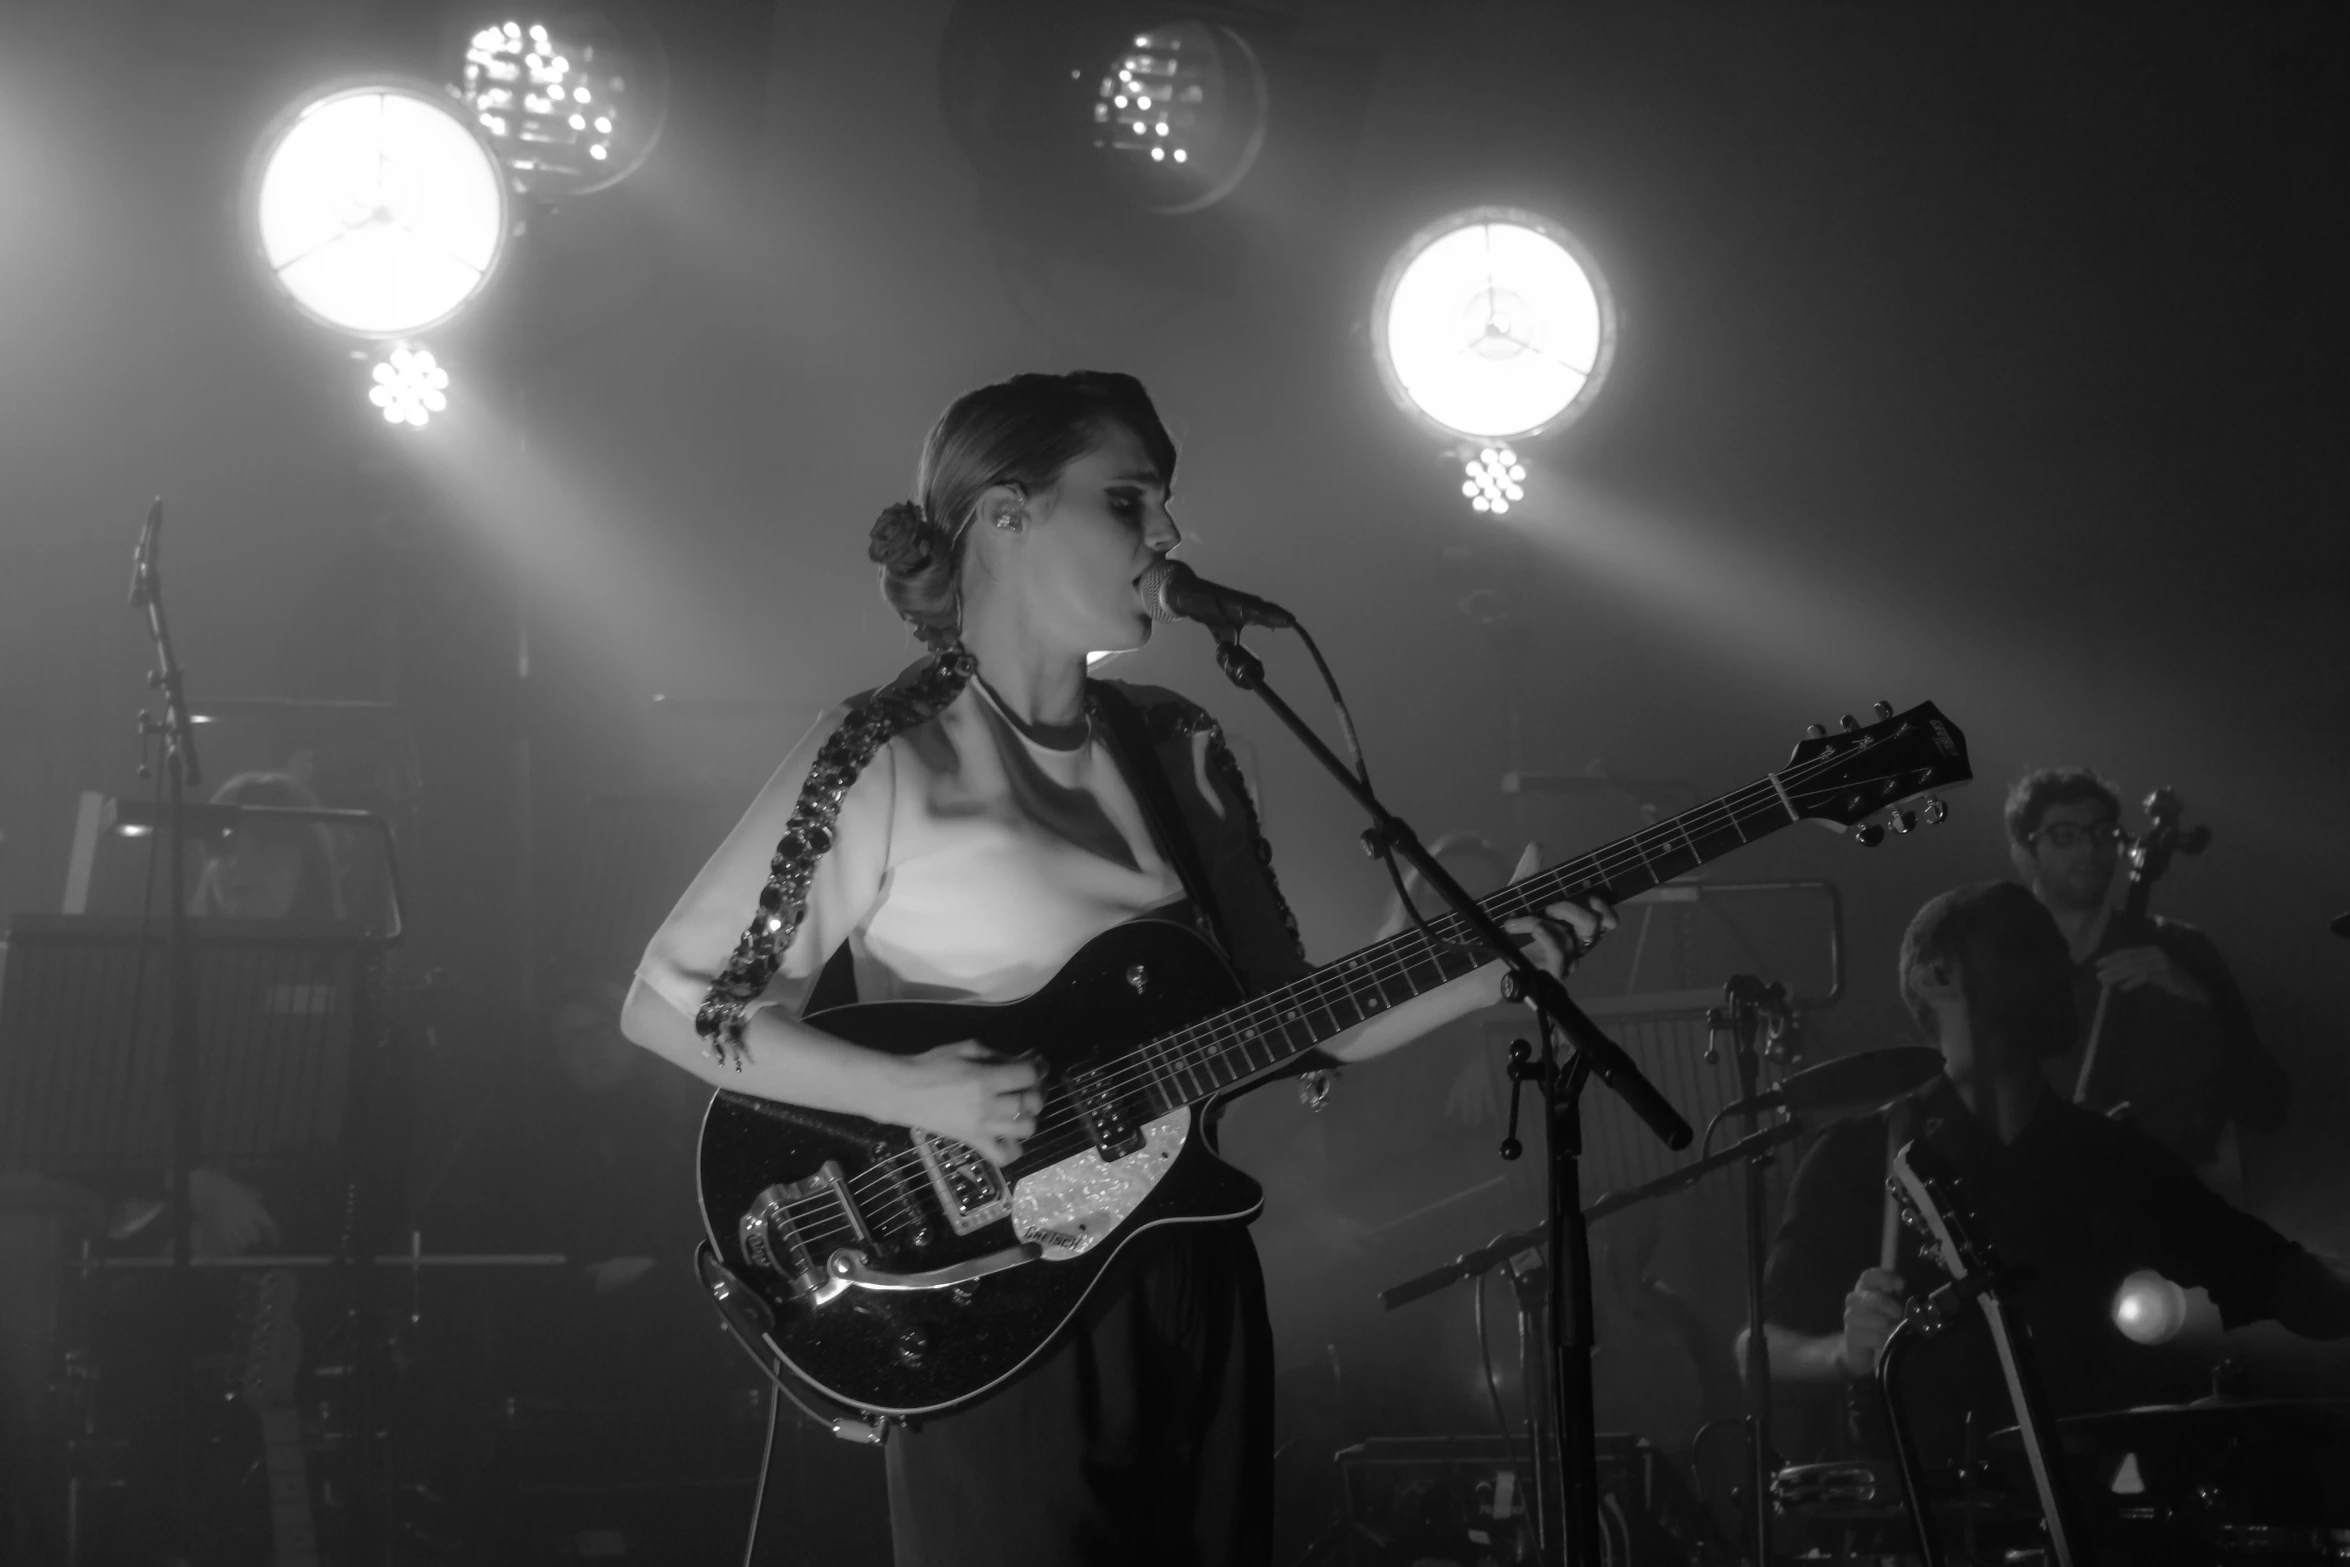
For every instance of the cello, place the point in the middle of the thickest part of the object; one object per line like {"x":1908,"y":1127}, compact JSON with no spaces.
{"x":2150,"y":856}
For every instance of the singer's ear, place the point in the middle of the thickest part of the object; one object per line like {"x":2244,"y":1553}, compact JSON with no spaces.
{"x":1001,"y":508}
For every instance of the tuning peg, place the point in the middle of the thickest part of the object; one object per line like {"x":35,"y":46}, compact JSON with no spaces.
{"x":1932,"y":811}
{"x":1815,"y":731}
{"x":1868,"y":835}
{"x":1902,"y":821}
{"x":1884,"y":710}
{"x":1849,"y":722}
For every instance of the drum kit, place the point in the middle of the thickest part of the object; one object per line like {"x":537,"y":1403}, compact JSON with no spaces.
{"x":2217,"y":1481}
{"x":2222,"y":1480}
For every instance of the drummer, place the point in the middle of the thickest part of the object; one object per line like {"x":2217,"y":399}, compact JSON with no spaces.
{"x":2078,"y":1200}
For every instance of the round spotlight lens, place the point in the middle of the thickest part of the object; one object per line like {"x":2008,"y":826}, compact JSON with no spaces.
{"x":1493,"y":324}
{"x":378,"y":210}
{"x":2149,"y":1309}
{"x":1204,"y":92}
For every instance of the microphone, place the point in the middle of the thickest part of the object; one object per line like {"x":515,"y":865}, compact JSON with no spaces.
{"x":143,"y":557}
{"x":1173,"y":591}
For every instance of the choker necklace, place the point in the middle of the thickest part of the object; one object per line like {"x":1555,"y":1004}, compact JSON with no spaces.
{"x":1053,"y":737}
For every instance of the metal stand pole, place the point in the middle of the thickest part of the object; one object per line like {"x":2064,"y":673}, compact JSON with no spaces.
{"x":1749,"y":1007}
{"x":1571,"y":1330}
{"x":177,"y":732}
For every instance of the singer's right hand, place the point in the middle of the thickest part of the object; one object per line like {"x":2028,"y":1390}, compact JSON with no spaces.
{"x":969,"y":1093}
{"x":1870,"y":1313}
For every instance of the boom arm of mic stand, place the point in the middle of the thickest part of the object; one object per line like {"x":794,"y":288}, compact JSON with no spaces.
{"x":1606,"y":1059}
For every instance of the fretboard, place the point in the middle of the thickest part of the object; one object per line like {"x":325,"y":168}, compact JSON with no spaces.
{"x":1266,"y":1031}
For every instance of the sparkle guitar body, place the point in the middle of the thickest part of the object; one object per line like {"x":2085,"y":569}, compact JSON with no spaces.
{"x":914,"y":1350}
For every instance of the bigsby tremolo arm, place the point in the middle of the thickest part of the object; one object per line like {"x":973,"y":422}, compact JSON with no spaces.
{"x":849,"y":1267}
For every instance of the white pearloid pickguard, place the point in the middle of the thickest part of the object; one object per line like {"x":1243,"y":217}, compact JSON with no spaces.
{"x":1071,"y":1207}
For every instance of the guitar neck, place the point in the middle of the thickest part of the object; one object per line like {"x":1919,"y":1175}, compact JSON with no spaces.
{"x":1265,"y":1032}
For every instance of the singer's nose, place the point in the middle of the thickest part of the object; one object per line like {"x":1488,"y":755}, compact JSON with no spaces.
{"x":1161,"y":534}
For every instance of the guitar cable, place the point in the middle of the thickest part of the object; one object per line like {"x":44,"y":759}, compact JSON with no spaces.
{"x":766,"y":1469}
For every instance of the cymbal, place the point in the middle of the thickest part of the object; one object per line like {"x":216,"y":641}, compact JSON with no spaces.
{"x":1868,"y":1078}
{"x":2199,"y":1424}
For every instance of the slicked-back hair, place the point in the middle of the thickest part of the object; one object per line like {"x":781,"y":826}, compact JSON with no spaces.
{"x":1025,"y":431}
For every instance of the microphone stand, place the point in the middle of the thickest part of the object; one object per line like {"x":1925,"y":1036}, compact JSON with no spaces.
{"x":1750,"y":1009}
{"x":176,"y":730}
{"x":1588,"y":1052}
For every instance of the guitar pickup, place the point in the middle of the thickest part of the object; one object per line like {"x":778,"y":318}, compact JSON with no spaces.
{"x":1114,"y":1132}
{"x":789,"y":1223}
{"x":969,"y":1186}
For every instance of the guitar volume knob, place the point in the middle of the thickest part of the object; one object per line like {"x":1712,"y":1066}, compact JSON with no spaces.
{"x":1138,"y":979}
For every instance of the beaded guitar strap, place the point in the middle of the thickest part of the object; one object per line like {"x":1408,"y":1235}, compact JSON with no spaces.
{"x":783,"y":902}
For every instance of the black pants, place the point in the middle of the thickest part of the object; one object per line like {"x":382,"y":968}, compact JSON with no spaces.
{"x":1144,"y":1436}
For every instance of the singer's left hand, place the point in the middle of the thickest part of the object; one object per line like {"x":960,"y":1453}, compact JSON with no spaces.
{"x":1564,"y":931}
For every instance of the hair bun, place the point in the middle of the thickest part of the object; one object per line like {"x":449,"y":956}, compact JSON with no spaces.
{"x":903,"y":543}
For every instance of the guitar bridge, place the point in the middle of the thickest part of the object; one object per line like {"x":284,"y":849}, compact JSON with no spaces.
{"x":788,"y":1224}
{"x":970,"y":1188}
{"x":1113,"y":1131}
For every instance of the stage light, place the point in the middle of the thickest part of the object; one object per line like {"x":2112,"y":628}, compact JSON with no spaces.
{"x":409,"y":387}
{"x":1496,"y":479}
{"x":1180,"y":114}
{"x":377,"y":209}
{"x":1492,"y":324}
{"x":2149,"y":1309}
{"x":570,"y":104}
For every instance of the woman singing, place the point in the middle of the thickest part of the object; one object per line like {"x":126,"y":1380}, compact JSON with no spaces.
{"x":972,"y":850}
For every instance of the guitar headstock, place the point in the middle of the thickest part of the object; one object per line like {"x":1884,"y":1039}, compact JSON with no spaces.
{"x":1845,"y":779}
{"x":273,"y":1342}
{"x":1933,"y":1201}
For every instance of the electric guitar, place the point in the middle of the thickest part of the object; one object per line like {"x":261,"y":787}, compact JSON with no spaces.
{"x":1933,"y":1200}
{"x":900,"y":1273}
{"x":273,"y":1358}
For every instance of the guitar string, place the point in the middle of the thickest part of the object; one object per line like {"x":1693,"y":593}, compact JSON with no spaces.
{"x":1341,"y":981}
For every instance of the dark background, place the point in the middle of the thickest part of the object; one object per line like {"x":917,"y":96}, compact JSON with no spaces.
{"x":1991,"y":355}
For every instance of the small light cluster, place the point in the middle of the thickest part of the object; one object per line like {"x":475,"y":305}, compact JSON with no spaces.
{"x":410,"y":387}
{"x":1495,"y":479}
{"x":551,"y":113}
{"x":1150,"y":105}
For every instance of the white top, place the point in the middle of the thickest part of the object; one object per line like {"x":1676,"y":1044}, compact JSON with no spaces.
{"x":969,"y":863}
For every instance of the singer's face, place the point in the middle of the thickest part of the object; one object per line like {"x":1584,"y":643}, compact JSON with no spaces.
{"x":1105,"y":523}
